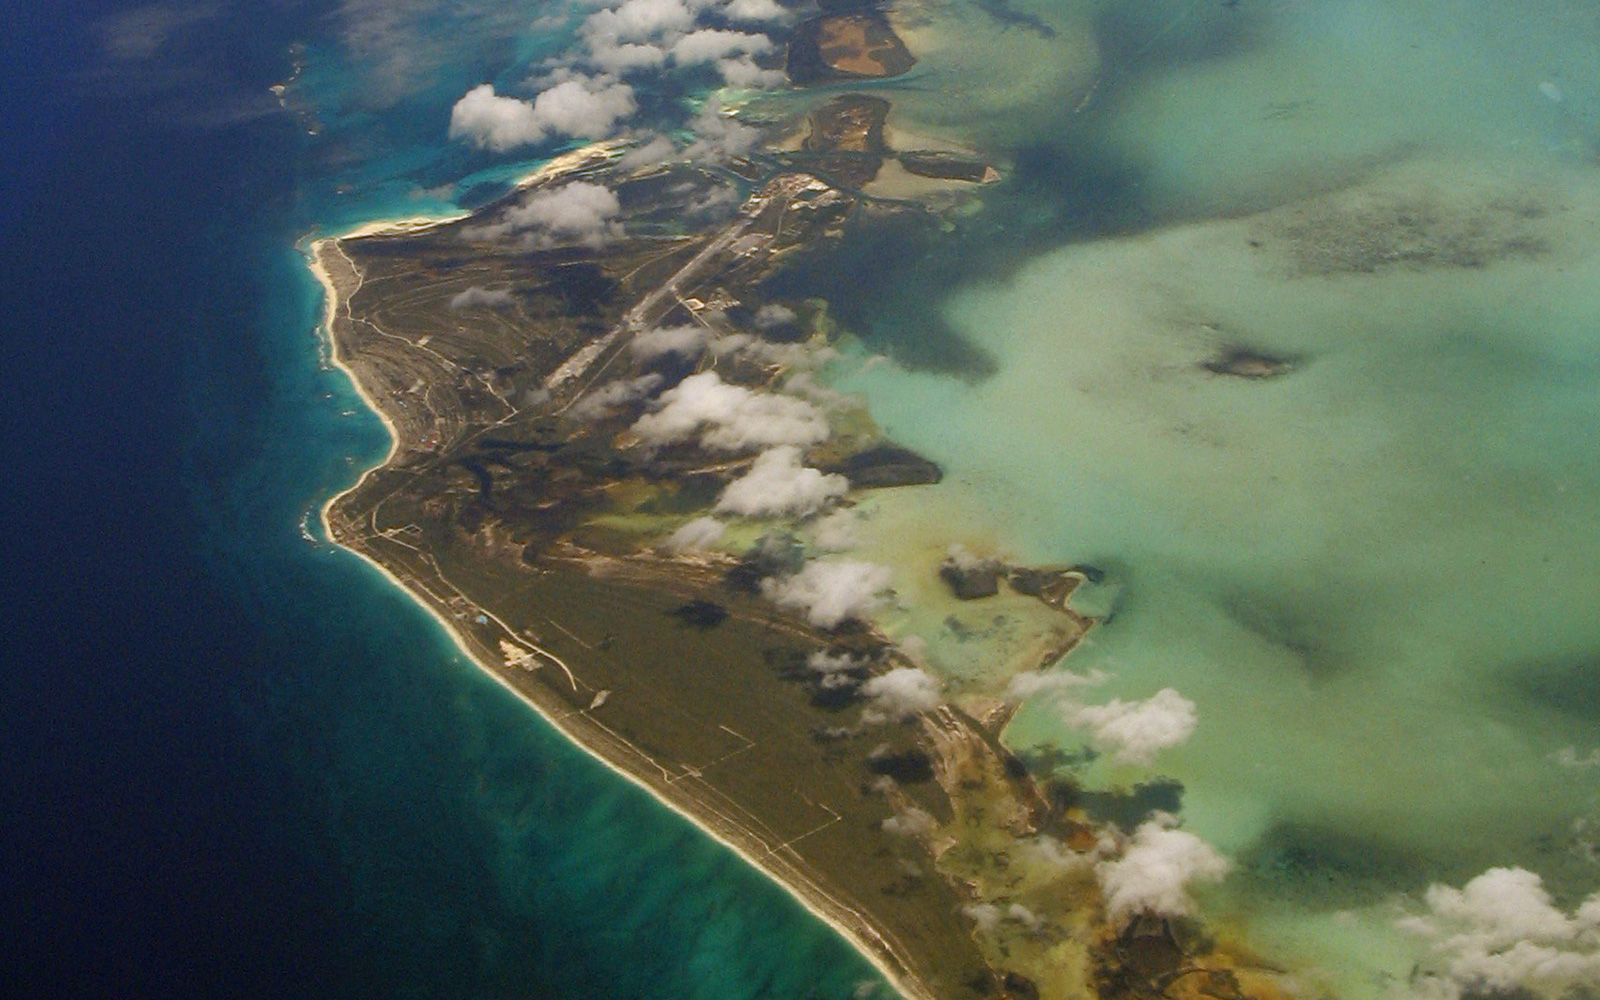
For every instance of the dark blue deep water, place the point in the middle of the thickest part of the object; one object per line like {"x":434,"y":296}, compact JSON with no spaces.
{"x":234,"y":762}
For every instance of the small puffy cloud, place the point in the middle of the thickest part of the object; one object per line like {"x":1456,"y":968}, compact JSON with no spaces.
{"x":709,"y":45}
{"x":638,"y":21}
{"x":824,"y":662}
{"x":744,"y":73}
{"x":1017,"y":913}
{"x":578,"y":106}
{"x":701,"y":533}
{"x":1501,"y":933}
{"x":900,"y":694}
{"x":1154,"y":872}
{"x":831,"y":591}
{"x":913,"y":822}
{"x":481,"y":298}
{"x":586,"y":108}
{"x":580,"y":212}
{"x":985,"y":915}
{"x":778,"y":484}
{"x":620,"y":58}
{"x":491,"y":121}
{"x":837,"y":531}
{"x":730,"y":417}
{"x":754,"y":11}
{"x":603,"y":401}
{"x":719,"y":136}
{"x":1048,"y":852}
{"x":1039,"y":682}
{"x":1136,"y":730}
{"x":988,"y":916}
{"x":656,"y":150}
{"x":773,"y":316}
{"x":684,"y":341}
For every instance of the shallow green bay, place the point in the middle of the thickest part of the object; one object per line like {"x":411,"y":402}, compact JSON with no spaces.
{"x":1375,"y":575}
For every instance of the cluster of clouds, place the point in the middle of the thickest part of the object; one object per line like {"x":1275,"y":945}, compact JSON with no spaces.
{"x":900,"y":694}
{"x":587,"y":95}
{"x":604,"y":401}
{"x":686,"y":342}
{"x":1154,"y":869}
{"x":1132,"y":731}
{"x":1135,"y":731}
{"x":1501,"y":933}
{"x":650,"y":34}
{"x":833,"y":670}
{"x":779,"y":483}
{"x":831,"y":591}
{"x":989,"y":916}
{"x":589,"y":108}
{"x":578,"y":213}
{"x":727,"y":417}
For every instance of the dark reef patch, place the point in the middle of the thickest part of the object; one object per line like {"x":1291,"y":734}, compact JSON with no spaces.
{"x":1289,"y":627}
{"x":1140,"y":37}
{"x":1569,"y":685}
{"x":1329,"y":867}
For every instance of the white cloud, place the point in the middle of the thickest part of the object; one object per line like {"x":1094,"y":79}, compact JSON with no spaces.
{"x":712,"y":44}
{"x":602,"y":401}
{"x":742,"y":72}
{"x":1155,"y":870}
{"x":481,"y":298}
{"x":589,"y":108}
{"x":985,"y":915}
{"x":779,"y":484}
{"x":829,"y":591}
{"x":1021,"y":914}
{"x":1501,"y":932}
{"x":638,"y":21}
{"x":912,"y":822}
{"x":491,"y":121}
{"x":730,"y":417}
{"x":657,"y":149}
{"x":900,"y":694}
{"x":701,"y":533}
{"x":578,"y":106}
{"x":824,"y":662}
{"x":580,"y":212}
{"x":1046,"y":851}
{"x":719,"y":136}
{"x":773,"y":316}
{"x":754,"y":11}
{"x":1035,"y":682}
{"x":684,"y":341}
{"x":1136,"y":730}
{"x":625,"y":57}
{"x":988,"y":916}
{"x":837,"y":531}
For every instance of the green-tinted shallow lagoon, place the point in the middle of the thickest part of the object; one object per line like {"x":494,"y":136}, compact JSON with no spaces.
{"x":1375,"y":576}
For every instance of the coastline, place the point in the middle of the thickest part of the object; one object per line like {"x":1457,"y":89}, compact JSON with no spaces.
{"x":813,"y":897}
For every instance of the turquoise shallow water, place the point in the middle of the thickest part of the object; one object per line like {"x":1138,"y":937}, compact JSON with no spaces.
{"x":1375,"y":576}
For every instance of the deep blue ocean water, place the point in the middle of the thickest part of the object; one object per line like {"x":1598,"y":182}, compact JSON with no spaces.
{"x":234,"y":762}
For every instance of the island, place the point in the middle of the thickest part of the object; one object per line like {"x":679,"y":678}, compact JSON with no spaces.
{"x":558,"y":401}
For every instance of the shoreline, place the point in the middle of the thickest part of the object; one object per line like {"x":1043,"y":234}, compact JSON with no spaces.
{"x":806,"y":895}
